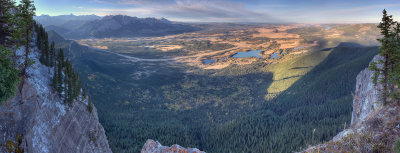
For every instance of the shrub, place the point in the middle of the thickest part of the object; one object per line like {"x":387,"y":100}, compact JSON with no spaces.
{"x":396,"y":146}
{"x":14,"y":147}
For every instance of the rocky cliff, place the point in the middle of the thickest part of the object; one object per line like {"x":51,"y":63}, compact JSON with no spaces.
{"x":374,"y":126}
{"x":46,"y":124}
{"x":152,"y":146}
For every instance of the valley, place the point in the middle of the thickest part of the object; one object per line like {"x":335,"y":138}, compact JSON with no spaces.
{"x":187,"y":76}
{"x":163,"y":88}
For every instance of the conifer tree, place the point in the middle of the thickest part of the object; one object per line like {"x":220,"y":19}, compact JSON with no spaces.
{"x":7,"y":20}
{"x":395,"y":58}
{"x":54,"y":80}
{"x":60,"y":79}
{"x":52,"y":54}
{"x":61,"y":57}
{"x":390,"y":52}
{"x":90,"y":105}
{"x":27,"y":11}
{"x":46,"y":51}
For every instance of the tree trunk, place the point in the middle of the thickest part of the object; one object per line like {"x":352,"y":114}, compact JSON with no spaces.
{"x":385,"y":79}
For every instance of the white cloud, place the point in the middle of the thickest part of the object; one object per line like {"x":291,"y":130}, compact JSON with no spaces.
{"x":185,"y":10}
{"x":359,"y":9}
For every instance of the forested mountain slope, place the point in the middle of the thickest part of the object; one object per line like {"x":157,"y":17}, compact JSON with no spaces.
{"x":374,"y":126}
{"x":320,"y":100}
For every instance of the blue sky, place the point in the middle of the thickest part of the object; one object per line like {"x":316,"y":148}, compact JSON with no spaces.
{"x":264,"y":11}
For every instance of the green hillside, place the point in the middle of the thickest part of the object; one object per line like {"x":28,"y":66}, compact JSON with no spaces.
{"x":320,"y":100}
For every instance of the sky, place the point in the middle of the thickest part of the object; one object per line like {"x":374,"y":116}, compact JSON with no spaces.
{"x":258,"y":11}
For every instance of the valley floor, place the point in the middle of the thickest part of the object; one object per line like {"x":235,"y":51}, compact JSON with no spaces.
{"x":159,"y":88}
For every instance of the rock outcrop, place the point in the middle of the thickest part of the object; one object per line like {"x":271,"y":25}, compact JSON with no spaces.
{"x":46,"y":124}
{"x":374,"y":126}
{"x":366,"y":98}
{"x":152,"y":146}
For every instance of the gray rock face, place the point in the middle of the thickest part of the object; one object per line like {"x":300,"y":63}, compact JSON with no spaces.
{"x":46,"y":124}
{"x":366,"y":98}
{"x":152,"y":146}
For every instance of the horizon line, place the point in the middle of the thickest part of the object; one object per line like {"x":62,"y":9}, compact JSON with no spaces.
{"x":205,"y":22}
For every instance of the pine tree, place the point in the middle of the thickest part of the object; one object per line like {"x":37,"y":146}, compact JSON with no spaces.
{"x":6,"y":21}
{"x":52,"y":54}
{"x":76,"y":86}
{"x":385,"y":27}
{"x":10,"y":30}
{"x":59,"y":76}
{"x":90,"y":105}
{"x":84,"y":92}
{"x":390,"y":51}
{"x":54,"y":80}
{"x":27,"y":11}
{"x":395,"y":64}
{"x":46,"y":51}
{"x":68,"y":83}
{"x":61,"y":57}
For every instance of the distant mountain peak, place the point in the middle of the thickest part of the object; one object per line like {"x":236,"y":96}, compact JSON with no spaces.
{"x":92,"y":26}
{"x":126,"y":18}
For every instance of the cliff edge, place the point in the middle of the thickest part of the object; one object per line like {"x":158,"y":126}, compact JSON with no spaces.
{"x":44,"y":122}
{"x":374,"y":126}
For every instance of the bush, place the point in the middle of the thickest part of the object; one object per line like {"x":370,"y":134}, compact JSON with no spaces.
{"x":8,"y":75}
{"x":396,"y":146}
{"x":12,"y":146}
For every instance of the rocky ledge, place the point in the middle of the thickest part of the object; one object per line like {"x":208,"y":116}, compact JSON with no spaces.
{"x":46,"y":124}
{"x":152,"y":146}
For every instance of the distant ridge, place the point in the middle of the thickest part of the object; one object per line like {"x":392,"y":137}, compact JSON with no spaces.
{"x":114,"y":26}
{"x":60,"y":20}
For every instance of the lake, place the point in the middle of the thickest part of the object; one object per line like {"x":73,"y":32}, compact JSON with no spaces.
{"x":275,"y":55}
{"x":209,"y":61}
{"x":298,"y":48}
{"x":254,"y":53}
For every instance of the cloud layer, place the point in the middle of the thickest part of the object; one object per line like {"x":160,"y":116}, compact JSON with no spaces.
{"x":265,"y":11}
{"x":184,"y":10}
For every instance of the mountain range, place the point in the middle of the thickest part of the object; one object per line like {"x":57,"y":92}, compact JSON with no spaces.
{"x":64,"y":20}
{"x":91,"y":26}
